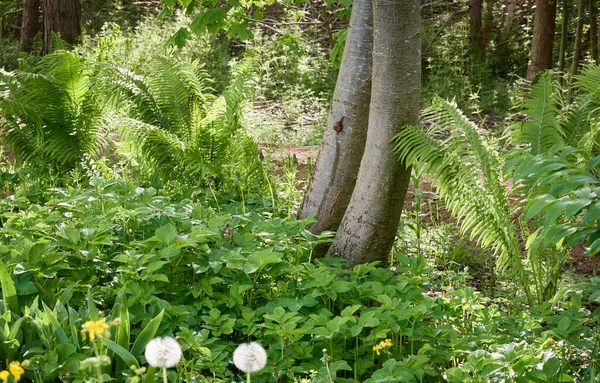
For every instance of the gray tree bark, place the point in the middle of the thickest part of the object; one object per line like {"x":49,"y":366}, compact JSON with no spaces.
{"x":544,"y":25}
{"x":31,"y":24}
{"x":370,"y":224}
{"x":343,"y":144}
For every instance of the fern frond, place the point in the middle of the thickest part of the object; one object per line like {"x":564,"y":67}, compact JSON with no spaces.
{"x":541,"y":130}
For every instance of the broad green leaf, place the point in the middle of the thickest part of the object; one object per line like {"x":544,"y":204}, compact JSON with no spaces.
{"x":9,"y":293}
{"x":166,"y":234}
{"x":125,"y":355}
{"x":146,"y":335}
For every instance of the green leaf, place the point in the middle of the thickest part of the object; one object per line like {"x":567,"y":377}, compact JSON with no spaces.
{"x":147,"y":334}
{"x":166,"y":234}
{"x":9,"y":292}
{"x":127,"y":357}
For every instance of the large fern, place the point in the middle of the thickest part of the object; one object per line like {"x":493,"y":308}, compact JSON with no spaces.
{"x":50,"y":114}
{"x":178,"y":128}
{"x":468,"y":176}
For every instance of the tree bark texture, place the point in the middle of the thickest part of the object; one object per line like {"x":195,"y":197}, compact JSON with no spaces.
{"x":510,"y":10}
{"x":476,"y":26}
{"x":563,"y":38}
{"x":487,"y":28}
{"x":62,"y":17}
{"x":31,"y":23}
{"x":343,"y":144}
{"x":576,"y":48}
{"x":593,"y":13}
{"x":544,"y":25}
{"x":369,"y":227}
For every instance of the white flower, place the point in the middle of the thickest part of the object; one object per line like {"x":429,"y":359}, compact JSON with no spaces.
{"x":163,"y":352}
{"x":250,"y":357}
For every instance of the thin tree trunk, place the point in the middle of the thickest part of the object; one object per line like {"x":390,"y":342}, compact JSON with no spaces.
{"x":509,"y":20}
{"x":343,"y":144}
{"x":475,"y":26}
{"x":576,"y":49}
{"x":563,"y":39}
{"x":31,"y":24}
{"x":62,"y":17}
{"x":487,"y":27}
{"x":544,"y":24}
{"x":370,"y":224}
{"x":594,"y":30}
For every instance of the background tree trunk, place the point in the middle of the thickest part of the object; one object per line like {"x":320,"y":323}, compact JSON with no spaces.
{"x":563,"y":38}
{"x":475,"y":26}
{"x":544,"y":24}
{"x":343,"y":144}
{"x":576,"y":49}
{"x":593,"y":7}
{"x":508,"y":22}
{"x":62,"y":17}
{"x":370,"y":224}
{"x":31,"y":23}
{"x":487,"y":28}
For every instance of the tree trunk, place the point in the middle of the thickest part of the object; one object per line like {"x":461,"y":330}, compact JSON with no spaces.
{"x":475,"y":26}
{"x":594,"y":30}
{"x":544,"y":24}
{"x":370,"y":224}
{"x":31,"y":24}
{"x":343,"y":144}
{"x":509,"y":20}
{"x":487,"y":27}
{"x":62,"y":17}
{"x":576,"y":49}
{"x":563,"y":38}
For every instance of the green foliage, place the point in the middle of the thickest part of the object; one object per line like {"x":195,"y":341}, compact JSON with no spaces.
{"x":50,"y":114}
{"x":153,"y":264}
{"x":178,"y":129}
{"x":468,"y":176}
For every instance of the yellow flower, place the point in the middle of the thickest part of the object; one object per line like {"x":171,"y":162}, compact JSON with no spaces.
{"x":4,"y":376}
{"x":95,"y":328}
{"x":16,"y":370}
{"x":381,"y":345}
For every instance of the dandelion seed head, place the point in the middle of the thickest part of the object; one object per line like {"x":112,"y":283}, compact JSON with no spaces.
{"x":163,"y":352}
{"x":250,"y":357}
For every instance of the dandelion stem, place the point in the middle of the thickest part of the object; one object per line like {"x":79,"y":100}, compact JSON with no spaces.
{"x":165,"y":380}
{"x":247,"y":377}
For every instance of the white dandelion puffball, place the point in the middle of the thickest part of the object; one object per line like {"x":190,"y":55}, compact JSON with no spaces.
{"x":250,"y":357}
{"x":163,"y":352}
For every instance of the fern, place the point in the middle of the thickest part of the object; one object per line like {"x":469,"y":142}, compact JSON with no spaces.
{"x":50,"y":113}
{"x":177,"y":127}
{"x":468,"y":176}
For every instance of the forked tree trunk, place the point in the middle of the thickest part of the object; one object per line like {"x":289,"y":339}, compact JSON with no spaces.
{"x":593,"y":9}
{"x":31,"y":23}
{"x":544,"y":24}
{"x":62,"y":17}
{"x":563,"y":39}
{"x":370,"y":224}
{"x":475,"y":26}
{"x":576,"y":49}
{"x":343,"y":144}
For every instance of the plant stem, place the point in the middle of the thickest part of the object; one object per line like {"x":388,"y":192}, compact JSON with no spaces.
{"x":247,"y":377}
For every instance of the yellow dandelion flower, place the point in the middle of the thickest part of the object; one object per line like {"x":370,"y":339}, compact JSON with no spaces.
{"x":388,"y":343}
{"x":16,"y":370}
{"x":95,"y":328}
{"x":4,"y":376}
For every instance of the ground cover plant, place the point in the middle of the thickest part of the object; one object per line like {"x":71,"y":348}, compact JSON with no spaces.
{"x":151,"y":264}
